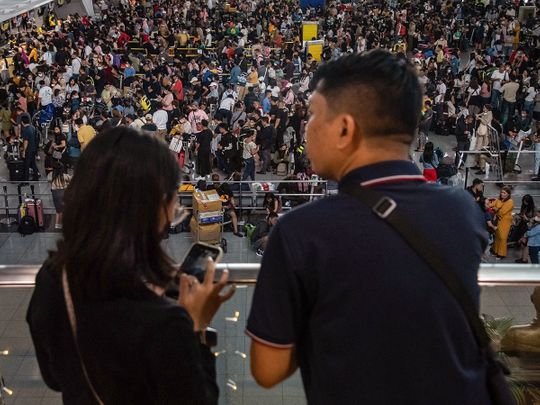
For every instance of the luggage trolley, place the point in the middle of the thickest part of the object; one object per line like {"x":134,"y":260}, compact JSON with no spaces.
{"x":211,"y":218}
{"x":208,"y":219}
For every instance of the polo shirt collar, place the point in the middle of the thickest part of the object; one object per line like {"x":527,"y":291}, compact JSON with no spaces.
{"x":391,"y":171}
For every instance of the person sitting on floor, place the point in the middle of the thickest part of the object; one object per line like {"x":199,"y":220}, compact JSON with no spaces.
{"x":259,"y":239}
{"x":226,"y":194}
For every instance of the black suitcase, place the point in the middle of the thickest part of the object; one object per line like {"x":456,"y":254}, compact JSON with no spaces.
{"x":16,"y":170}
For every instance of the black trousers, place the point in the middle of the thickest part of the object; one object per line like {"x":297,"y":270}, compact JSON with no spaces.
{"x":30,"y":163}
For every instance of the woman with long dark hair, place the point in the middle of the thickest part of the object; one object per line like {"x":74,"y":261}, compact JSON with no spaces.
{"x":59,"y":182}
{"x":102,"y":329}
{"x":430,"y":161}
{"x":521,"y":225}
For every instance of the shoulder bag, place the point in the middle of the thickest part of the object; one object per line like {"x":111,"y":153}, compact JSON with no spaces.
{"x":73,"y":323}
{"x":387,"y":209}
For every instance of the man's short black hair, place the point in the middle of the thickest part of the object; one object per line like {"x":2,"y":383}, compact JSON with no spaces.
{"x":476,"y":182}
{"x":379,"y":89}
{"x":25,"y":120}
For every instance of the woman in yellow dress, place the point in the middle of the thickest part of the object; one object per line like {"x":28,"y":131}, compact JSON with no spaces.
{"x":503,"y":207}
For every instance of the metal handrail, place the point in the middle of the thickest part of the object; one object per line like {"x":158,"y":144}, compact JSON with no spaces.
{"x":246,"y":273}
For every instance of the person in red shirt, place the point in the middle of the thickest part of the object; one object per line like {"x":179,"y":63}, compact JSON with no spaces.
{"x":123,"y":39}
{"x":178,"y":88}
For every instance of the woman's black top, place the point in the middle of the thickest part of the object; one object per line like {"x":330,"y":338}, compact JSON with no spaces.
{"x":136,"y":351}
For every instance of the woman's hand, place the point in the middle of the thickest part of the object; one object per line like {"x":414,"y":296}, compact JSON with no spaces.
{"x":203,"y":300}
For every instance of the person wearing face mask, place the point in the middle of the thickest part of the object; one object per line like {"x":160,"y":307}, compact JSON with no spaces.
{"x":101,"y":325}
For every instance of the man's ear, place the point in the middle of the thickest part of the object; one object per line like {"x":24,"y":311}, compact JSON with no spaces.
{"x":347,"y":132}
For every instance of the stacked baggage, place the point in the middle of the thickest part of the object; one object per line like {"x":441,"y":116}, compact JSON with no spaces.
{"x":30,"y":213}
{"x":206,"y":222}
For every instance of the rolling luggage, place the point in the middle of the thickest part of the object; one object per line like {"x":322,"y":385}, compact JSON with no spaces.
{"x":16,"y":170}
{"x":34,"y":208}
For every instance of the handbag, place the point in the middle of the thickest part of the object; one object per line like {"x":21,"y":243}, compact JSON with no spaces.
{"x":387,"y":209}
{"x":73,"y":324}
{"x":58,"y":154}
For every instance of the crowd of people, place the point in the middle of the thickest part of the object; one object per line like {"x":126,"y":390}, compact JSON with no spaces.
{"x":226,"y":88}
{"x":235,"y":79}
{"x":227,"y":85}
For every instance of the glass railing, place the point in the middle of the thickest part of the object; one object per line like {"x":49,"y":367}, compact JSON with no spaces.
{"x":505,"y":301}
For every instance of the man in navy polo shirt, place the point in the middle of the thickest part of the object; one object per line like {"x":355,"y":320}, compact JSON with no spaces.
{"x":340,"y":294}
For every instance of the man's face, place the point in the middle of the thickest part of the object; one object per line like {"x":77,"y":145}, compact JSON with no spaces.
{"x":319,"y":130}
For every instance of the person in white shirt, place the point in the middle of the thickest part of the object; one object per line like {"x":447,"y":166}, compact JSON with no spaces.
{"x":275,"y":91}
{"x":528,"y":103}
{"x":45,"y":95}
{"x":226,"y":108}
{"x":76,"y":66}
{"x":160,"y":118}
{"x":47,"y":57}
{"x":498,"y":78}
{"x":229,"y":91}
{"x":208,"y":39}
{"x":137,"y":123}
{"x":262,"y":85}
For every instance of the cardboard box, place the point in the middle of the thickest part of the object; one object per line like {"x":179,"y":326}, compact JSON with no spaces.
{"x":209,"y":233}
{"x":210,"y":217}
{"x":206,"y":201}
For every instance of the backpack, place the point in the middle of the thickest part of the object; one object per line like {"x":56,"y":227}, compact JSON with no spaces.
{"x":27,"y":225}
{"x":242,"y":80}
{"x":249,"y":229}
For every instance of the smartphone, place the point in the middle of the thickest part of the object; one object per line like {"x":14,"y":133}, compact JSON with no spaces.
{"x":196,"y":259}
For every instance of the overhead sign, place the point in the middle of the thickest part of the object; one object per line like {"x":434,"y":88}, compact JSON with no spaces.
{"x":310,"y":30}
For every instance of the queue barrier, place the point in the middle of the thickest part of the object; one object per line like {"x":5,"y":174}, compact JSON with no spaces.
{"x":12,"y":194}
{"x":247,"y":201}
{"x":252,"y":200}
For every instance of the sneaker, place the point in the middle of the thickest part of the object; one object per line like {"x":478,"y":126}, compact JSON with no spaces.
{"x":58,"y":226}
{"x":259,"y":252}
{"x":239,"y":234}
{"x":521,"y":261}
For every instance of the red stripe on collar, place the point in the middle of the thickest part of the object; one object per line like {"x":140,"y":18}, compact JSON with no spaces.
{"x":393,"y":179}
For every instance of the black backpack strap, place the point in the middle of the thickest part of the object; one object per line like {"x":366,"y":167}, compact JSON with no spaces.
{"x":387,"y":210}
